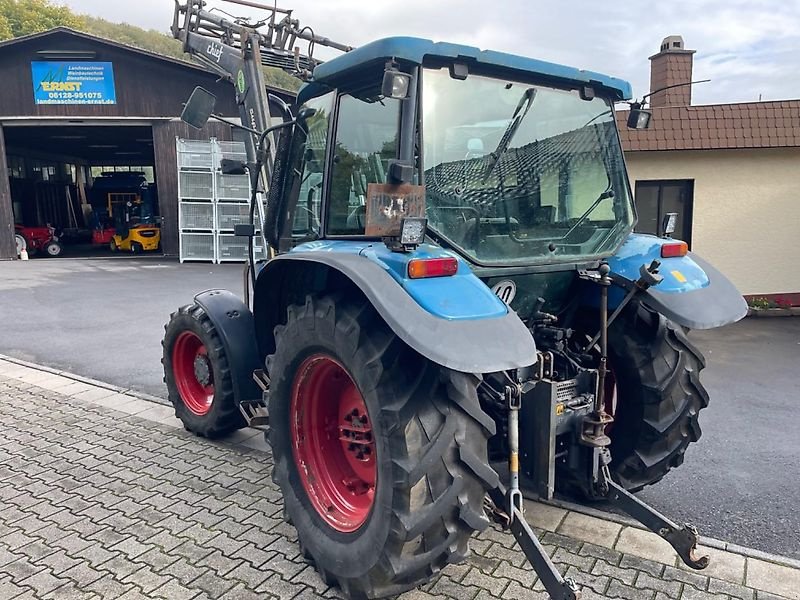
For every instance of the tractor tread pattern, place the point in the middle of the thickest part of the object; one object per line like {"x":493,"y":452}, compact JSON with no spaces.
{"x":225,"y":416}
{"x":440,"y":461}
{"x":657,"y":367}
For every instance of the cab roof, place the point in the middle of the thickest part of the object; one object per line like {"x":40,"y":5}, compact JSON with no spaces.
{"x":336,"y":72}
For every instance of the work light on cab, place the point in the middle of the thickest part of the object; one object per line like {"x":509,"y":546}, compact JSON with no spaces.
{"x":412,"y":231}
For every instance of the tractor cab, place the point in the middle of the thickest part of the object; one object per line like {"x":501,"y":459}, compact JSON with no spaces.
{"x":518,"y":161}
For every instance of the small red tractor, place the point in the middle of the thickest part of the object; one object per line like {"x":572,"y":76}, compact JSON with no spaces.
{"x":37,"y":239}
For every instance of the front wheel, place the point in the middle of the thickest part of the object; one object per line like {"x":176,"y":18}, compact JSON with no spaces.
{"x":379,"y":453}
{"x":197,"y":374}
{"x":21,"y":244}
{"x":53,"y":249}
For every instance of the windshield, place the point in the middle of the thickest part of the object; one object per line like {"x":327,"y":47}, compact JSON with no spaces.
{"x":519,"y":174}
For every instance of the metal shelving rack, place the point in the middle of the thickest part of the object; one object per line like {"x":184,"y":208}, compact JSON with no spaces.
{"x":211,"y":203}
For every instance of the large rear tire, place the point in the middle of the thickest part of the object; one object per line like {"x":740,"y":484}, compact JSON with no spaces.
{"x":410,"y":511}
{"x":197,"y":374}
{"x":659,"y":396}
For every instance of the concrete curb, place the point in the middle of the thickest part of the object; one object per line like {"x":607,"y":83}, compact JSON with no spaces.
{"x":86,"y":380}
{"x":733,"y":563}
{"x":708,"y":542}
{"x":769,"y":313}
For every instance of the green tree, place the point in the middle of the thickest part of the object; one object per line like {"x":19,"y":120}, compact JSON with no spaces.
{"x":5,"y":28}
{"x":23,"y":17}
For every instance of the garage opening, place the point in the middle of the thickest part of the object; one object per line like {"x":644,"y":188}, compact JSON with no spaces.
{"x":91,"y":185}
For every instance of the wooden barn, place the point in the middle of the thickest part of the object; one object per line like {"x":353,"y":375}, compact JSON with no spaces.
{"x":75,"y":107}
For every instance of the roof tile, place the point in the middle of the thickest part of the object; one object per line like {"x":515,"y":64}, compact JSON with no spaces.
{"x":753,"y":124}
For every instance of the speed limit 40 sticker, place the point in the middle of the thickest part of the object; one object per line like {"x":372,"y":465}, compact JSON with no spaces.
{"x":505,"y":290}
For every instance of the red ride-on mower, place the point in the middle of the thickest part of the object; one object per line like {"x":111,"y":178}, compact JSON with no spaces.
{"x":38,"y":239}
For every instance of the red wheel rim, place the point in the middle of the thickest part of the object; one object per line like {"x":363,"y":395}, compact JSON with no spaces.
{"x":333,"y":444}
{"x":194,"y":376}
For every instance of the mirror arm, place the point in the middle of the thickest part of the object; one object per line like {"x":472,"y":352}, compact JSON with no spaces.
{"x":263,"y":135}
{"x":233,"y":123}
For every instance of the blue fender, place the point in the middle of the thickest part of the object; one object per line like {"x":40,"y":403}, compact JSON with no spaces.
{"x":234,"y":324}
{"x":454,"y":321}
{"x":693,"y":293}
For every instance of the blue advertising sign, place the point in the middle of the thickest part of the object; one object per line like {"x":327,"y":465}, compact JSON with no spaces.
{"x":73,"y":82}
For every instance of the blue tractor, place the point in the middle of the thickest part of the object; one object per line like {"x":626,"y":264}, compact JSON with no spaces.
{"x":453,"y":309}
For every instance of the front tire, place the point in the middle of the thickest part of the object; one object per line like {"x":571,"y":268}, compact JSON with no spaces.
{"x":197,"y":374}
{"x":53,"y":249}
{"x":20,"y":243}
{"x":420,"y":497}
{"x":659,"y":396}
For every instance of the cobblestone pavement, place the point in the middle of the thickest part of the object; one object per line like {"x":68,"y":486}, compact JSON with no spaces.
{"x":100,"y":503}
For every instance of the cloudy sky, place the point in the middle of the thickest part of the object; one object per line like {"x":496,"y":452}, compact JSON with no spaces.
{"x":748,"y":48}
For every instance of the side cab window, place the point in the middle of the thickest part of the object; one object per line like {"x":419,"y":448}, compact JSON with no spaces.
{"x":310,"y":168}
{"x":367,"y":135}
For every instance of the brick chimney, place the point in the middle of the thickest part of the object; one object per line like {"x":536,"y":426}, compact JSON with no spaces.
{"x":672,"y":64}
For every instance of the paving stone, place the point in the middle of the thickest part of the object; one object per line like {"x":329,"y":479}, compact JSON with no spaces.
{"x":21,"y":569}
{"x":120,"y":566}
{"x":445,"y":586}
{"x":645,"y":544}
{"x":525,"y":577}
{"x":42,"y":582}
{"x":109,"y":587}
{"x":212,"y":584}
{"x":624,"y":575}
{"x":587,"y":581}
{"x":568,"y":558}
{"x":772,"y":578}
{"x":146,"y":579}
{"x":562,"y":541}
{"x":691,"y":593}
{"x":700,"y":582}
{"x":83,"y":574}
{"x":648,"y":582}
{"x":621,"y":590}
{"x":734,"y":590}
{"x":248,"y":575}
{"x":515,"y":591}
{"x":610,"y":556}
{"x":629,"y":561}
{"x":173,"y":590}
{"x":97,"y":506}
{"x":590,"y":529}
{"x":282,"y":588}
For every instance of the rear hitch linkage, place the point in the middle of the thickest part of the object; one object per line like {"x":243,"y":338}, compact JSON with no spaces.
{"x":505,"y":505}
{"x":682,"y":538}
{"x":557,"y":586}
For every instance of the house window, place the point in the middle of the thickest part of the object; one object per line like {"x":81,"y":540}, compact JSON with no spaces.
{"x":654,"y":199}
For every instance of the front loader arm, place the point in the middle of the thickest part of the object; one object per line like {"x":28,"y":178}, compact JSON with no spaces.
{"x":232,"y":50}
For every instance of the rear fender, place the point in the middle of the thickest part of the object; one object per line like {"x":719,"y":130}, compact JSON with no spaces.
{"x":234,"y":324}
{"x":453,"y":321}
{"x":693,"y":293}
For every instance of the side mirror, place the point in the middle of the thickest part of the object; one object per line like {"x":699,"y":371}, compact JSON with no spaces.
{"x":198,"y":108}
{"x":639,"y":118}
